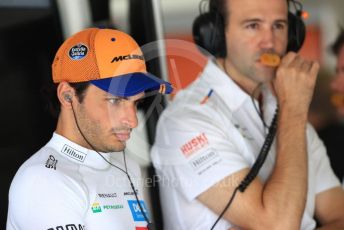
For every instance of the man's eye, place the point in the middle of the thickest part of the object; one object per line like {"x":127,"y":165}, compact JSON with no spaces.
{"x":279,"y":26}
{"x":252,"y":26}
{"x":115,"y":101}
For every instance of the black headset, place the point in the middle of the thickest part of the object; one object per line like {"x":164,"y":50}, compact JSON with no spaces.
{"x":209,"y":33}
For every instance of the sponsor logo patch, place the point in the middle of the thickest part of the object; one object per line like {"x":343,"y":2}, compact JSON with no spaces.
{"x":69,"y":227}
{"x":115,"y":206}
{"x":107,"y":195}
{"x":141,"y":228}
{"x":195,"y":144}
{"x":127,"y":57}
{"x":78,"y":52}
{"x":136,"y":211}
{"x":96,"y":208}
{"x":73,"y":153}
{"x":51,"y":162}
{"x":131,"y":193}
{"x":204,"y":161}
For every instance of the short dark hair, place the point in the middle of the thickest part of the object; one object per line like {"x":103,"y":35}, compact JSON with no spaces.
{"x":219,"y":6}
{"x":339,"y":42}
{"x":50,"y":95}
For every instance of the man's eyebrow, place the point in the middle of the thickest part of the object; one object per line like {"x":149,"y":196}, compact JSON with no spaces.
{"x":109,"y":95}
{"x":282,"y":21}
{"x":250,"y":20}
{"x":128,"y":98}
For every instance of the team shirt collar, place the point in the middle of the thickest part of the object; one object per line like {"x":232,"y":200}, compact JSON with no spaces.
{"x":78,"y":154}
{"x":224,"y":86}
{"x":229,"y":92}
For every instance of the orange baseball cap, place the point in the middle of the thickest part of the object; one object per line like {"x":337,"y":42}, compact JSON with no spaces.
{"x":107,"y":58}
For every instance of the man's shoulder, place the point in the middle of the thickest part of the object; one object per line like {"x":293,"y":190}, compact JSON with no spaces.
{"x":43,"y":168}
{"x":44,"y":160}
{"x":41,"y":185}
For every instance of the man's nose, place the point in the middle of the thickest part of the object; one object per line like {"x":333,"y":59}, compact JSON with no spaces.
{"x":268,"y":39}
{"x":130,"y":116}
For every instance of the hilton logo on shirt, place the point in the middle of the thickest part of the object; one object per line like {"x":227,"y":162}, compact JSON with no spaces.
{"x":73,"y":153}
{"x":194,"y":144}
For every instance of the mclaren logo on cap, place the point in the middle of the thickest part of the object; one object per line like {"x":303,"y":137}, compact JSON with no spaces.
{"x":78,"y":52}
{"x":127,"y":57}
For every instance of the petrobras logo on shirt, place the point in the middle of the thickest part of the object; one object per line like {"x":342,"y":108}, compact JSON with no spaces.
{"x":136,"y":211}
{"x":73,"y":153}
{"x":196,"y":143}
{"x":69,"y":227}
{"x":113,"y":206}
{"x":96,"y":207}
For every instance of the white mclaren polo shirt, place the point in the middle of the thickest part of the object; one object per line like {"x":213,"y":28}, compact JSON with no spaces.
{"x":67,"y":187}
{"x":210,"y":131}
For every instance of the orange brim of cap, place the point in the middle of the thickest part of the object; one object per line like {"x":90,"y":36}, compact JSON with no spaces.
{"x":131,"y":84}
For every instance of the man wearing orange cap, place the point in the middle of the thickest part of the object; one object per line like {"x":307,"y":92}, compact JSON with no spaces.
{"x":81,"y":178}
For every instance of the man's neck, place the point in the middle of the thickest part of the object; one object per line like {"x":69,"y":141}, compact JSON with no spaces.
{"x":246,"y":84}
{"x":67,"y":127}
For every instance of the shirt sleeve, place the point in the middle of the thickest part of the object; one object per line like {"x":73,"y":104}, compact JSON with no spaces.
{"x":41,"y":199}
{"x":194,"y":152}
{"x":324,"y":175}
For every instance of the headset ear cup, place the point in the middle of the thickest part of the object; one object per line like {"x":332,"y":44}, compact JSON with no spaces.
{"x":208,"y":33}
{"x":296,"y":32}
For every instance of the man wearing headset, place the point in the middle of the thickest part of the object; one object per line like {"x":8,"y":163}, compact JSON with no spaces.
{"x":209,"y":138}
{"x":81,"y":178}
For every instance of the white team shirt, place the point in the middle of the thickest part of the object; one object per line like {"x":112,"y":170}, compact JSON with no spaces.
{"x":198,"y":145}
{"x":67,"y":187}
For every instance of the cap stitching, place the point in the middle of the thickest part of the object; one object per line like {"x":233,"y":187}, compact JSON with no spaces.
{"x":60,"y":62}
{"x":94,"y":51}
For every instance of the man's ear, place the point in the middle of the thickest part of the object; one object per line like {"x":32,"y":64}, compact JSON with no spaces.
{"x":65,"y":94}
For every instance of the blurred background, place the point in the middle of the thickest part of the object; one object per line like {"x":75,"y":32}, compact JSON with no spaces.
{"x":32,"y":30}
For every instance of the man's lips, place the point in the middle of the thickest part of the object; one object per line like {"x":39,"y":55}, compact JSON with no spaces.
{"x":122,"y":136}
